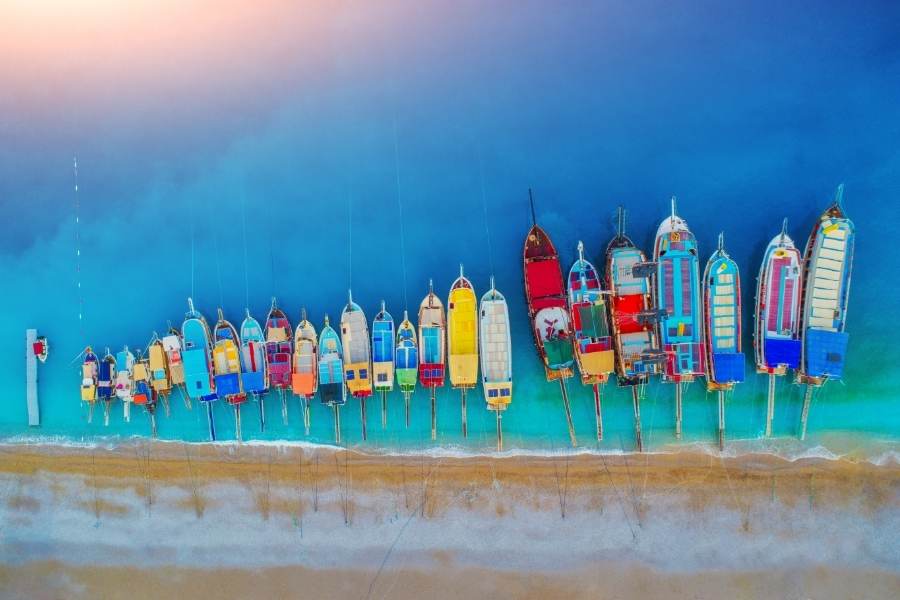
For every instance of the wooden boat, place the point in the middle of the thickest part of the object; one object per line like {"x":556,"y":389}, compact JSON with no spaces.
{"x":160,"y":379}
{"x":305,"y":368}
{"x":548,"y":310}
{"x":41,"y":348}
{"x":383,"y":357}
{"x":89,"y":380}
{"x":106,"y":379}
{"x":462,"y":339}
{"x":676,"y":291}
{"x":332,"y":390}
{"x":227,"y":368}
{"x":594,"y":352}
{"x":432,"y":354}
{"x":632,"y":317}
{"x":828,"y":262}
{"x":278,"y":354}
{"x":197,"y":359}
{"x":776,"y":337}
{"x":173,"y":345}
{"x":125,"y":381}
{"x":496,"y":354}
{"x":144,"y":394}
{"x":722,"y":328}
{"x":254,"y":376}
{"x":406,"y":360}
{"x":357,"y":355}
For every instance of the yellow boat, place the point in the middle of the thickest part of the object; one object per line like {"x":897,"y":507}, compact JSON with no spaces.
{"x":160,"y":378}
{"x":462,"y":338}
{"x":357,"y":355}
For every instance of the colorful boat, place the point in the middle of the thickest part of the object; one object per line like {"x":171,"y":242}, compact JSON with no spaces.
{"x":125,"y":381}
{"x":227,"y":368}
{"x":197,"y":359}
{"x":160,"y":379}
{"x":406,"y":360}
{"x":357,"y":355}
{"x":826,"y":290}
{"x":383,"y":357}
{"x":462,"y":339}
{"x":106,"y":381}
{"x":776,"y":338}
{"x":41,"y":348}
{"x":590,"y":323}
{"x":305,"y":369}
{"x":432,"y":357}
{"x":722,"y":328}
{"x":548,"y":310}
{"x":332,"y":390}
{"x":632,"y":317}
{"x":89,"y":380}
{"x":496,"y":354}
{"x":278,"y":354}
{"x":253,"y":364}
{"x":676,"y":291}
{"x":173,"y":345}
{"x":144,"y":394}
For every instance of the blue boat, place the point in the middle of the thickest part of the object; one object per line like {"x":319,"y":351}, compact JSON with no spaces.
{"x":676,"y":294}
{"x":253,"y":363}
{"x":722,"y":328}
{"x":106,"y":379}
{"x":197,"y":357}
{"x":383,"y":357}
{"x":826,"y":282}
{"x":331,"y":374}
{"x":406,"y":360}
{"x":227,"y":368}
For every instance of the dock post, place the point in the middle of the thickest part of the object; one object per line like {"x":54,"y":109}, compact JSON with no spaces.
{"x":721,"y":420}
{"x":261,"y":399}
{"x":211,"y":422}
{"x":465,"y":428}
{"x":635,"y":399}
{"x":34,"y":413}
{"x":433,"y":415}
{"x":237,"y":422}
{"x":565,"y":396}
{"x":770,"y":408}
{"x":362,"y":413}
{"x":406,"y":403}
{"x":383,"y":409}
{"x":499,"y":432}
{"x":337,"y":423}
{"x":678,"y":410}
{"x":804,"y":414}
{"x":306,"y":414}
{"x":598,"y":412}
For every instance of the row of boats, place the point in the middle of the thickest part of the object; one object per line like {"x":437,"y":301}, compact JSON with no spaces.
{"x":638,"y":319}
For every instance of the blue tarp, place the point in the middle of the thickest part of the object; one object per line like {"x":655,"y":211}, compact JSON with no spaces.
{"x":783,"y":352}
{"x":254,"y":382}
{"x":227,"y":385}
{"x":196,"y":375}
{"x":729,"y":367}
{"x":825,"y":352}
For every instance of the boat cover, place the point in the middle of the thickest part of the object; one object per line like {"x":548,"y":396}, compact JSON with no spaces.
{"x":544,"y":278}
{"x":591,"y":320}
{"x":228,"y":385}
{"x":627,"y":309}
{"x":196,"y":373}
{"x":560,"y":353}
{"x":254,"y":382}
{"x":782,"y":352}
{"x":825,"y":352}
{"x":728,"y":367}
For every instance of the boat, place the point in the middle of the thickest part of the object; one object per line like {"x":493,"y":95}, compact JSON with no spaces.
{"x":173,"y":345}
{"x":633,"y":318}
{"x":106,"y":379}
{"x":776,"y":337}
{"x":548,"y":310}
{"x":227,"y":368}
{"x":197,"y":359}
{"x":89,"y":373}
{"x":462,"y":339}
{"x":676,"y":292}
{"x":305,"y":369}
{"x":125,"y":381}
{"x":144,"y":394}
{"x":432,"y":355}
{"x":406,"y":360}
{"x":332,"y":390}
{"x":357,"y":355}
{"x":41,"y":348}
{"x":383,"y":357}
{"x":828,"y":262}
{"x":722,"y":328}
{"x":253,"y":364}
{"x":160,"y":379}
{"x":495,"y":350}
{"x":594,"y":352}
{"x":278,"y":354}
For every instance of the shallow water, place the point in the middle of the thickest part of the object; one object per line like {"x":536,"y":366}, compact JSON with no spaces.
{"x":313,"y":123}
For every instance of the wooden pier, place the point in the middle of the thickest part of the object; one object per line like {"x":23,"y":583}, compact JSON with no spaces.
{"x":31,"y":393}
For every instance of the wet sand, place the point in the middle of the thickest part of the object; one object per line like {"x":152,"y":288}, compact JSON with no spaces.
{"x":148,"y":519}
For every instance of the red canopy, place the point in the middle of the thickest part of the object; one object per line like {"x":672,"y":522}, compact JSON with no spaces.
{"x":544,"y":278}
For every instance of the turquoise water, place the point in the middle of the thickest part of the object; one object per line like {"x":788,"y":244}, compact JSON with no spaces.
{"x":748,"y":114}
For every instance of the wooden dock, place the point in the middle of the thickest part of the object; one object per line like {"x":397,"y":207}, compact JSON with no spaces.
{"x":34,"y":414}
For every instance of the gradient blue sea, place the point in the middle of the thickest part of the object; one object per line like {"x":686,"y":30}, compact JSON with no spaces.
{"x":747,"y":113}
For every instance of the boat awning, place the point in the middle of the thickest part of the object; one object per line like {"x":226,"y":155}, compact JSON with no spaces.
{"x":544,"y":278}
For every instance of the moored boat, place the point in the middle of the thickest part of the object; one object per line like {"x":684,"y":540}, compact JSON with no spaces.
{"x":160,"y":379}
{"x":197,"y":360}
{"x":776,"y":337}
{"x":548,"y":310}
{"x":722,"y":328}
{"x":676,"y":292}
{"x":496,"y":354}
{"x":406,"y":360}
{"x":828,"y":263}
{"x":432,"y":352}
{"x":144,"y":394}
{"x":106,"y":380}
{"x":41,"y":348}
{"x":173,"y":346}
{"x":305,"y":368}
{"x":383,"y":357}
{"x":89,"y":378}
{"x":227,"y":368}
{"x":124,"y":380}
{"x":462,"y":339}
{"x":253,"y":364}
{"x":594,"y":353}
{"x":332,"y":390}
{"x":357,"y":355}
{"x":278,"y":354}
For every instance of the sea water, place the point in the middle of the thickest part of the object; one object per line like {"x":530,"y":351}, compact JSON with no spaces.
{"x":300,"y":153}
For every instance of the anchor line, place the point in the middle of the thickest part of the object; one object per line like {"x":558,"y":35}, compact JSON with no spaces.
{"x":218,"y":266}
{"x":487,"y":230}
{"x":78,"y":288}
{"x":400,"y":211}
{"x":244,"y":227}
{"x":193,"y":261}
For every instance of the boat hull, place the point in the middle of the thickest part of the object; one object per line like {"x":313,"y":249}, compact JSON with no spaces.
{"x":776,"y":339}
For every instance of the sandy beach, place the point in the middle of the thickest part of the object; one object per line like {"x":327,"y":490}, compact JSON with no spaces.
{"x":146,"y":519}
